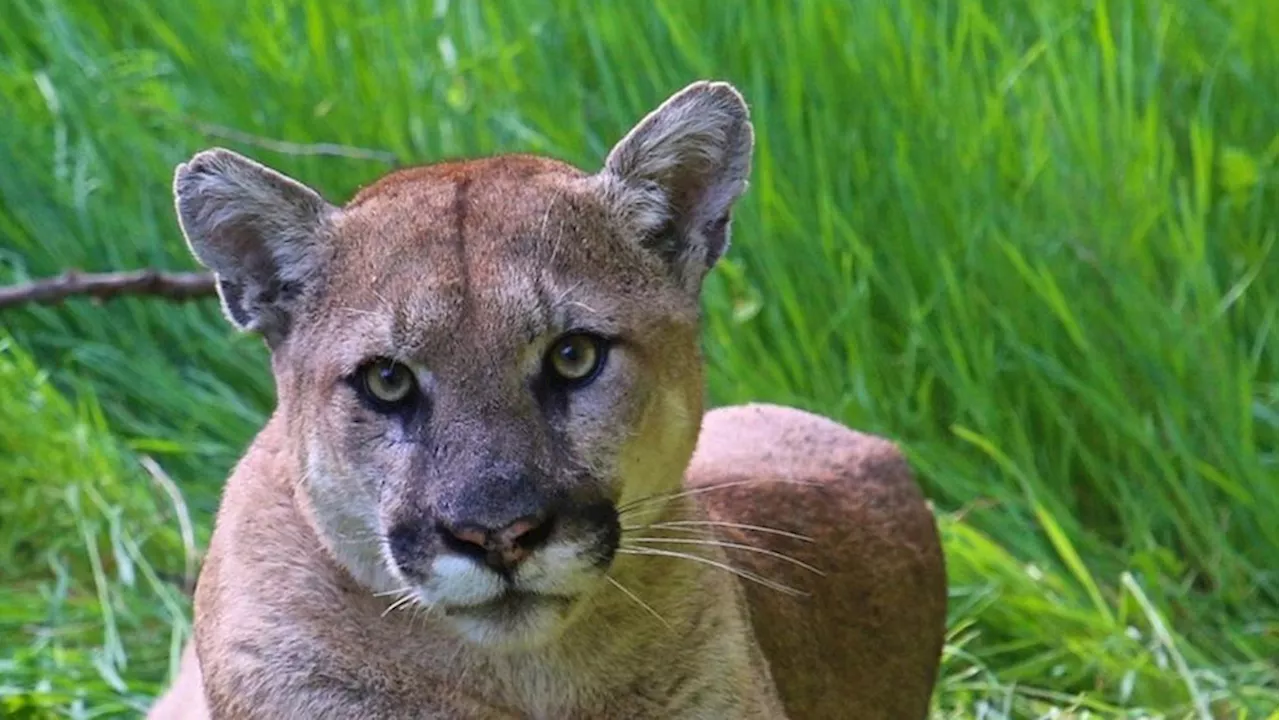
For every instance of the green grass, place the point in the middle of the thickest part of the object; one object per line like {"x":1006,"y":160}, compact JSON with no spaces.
{"x":1035,"y":243}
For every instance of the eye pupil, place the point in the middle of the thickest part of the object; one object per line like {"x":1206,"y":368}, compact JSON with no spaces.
{"x":577,"y":358}
{"x":387,"y":382}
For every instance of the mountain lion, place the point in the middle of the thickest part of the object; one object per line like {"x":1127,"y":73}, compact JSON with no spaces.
{"x":479,"y":496}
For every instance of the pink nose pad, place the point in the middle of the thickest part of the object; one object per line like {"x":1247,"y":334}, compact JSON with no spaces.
{"x":512,"y":533}
{"x":472,"y":535}
{"x":507,"y":547}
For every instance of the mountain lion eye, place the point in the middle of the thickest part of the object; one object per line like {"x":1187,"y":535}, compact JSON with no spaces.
{"x":387,"y":382}
{"x":576,"y":359}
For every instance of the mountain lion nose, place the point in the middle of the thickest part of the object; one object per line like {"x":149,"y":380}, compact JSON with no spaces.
{"x":500,"y":548}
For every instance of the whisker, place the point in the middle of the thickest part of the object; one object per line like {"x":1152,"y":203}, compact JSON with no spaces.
{"x":734,"y":546}
{"x":651,"y":499}
{"x":744,"y":574}
{"x":420,"y":611}
{"x":639,"y":602}
{"x":648,"y":499}
{"x":566,"y":292}
{"x":388,"y":593}
{"x":358,"y":311}
{"x":453,"y":662}
{"x":679,"y":524}
{"x":360,"y":538}
{"x":408,"y":597}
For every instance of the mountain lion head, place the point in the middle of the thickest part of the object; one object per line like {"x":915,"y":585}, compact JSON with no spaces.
{"x":478,"y":363}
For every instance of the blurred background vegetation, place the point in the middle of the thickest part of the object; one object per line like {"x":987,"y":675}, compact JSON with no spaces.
{"x":1035,"y":243}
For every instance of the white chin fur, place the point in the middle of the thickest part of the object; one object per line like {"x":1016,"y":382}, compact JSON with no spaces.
{"x":557,"y":569}
{"x":457,"y":580}
{"x":529,"y":628}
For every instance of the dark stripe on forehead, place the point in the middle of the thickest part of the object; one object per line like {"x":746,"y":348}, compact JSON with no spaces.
{"x":461,"y":206}
{"x":461,"y":189}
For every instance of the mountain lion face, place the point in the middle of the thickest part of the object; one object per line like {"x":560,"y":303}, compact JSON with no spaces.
{"x":481,"y":362}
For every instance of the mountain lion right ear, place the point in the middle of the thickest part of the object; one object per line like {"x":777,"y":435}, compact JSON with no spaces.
{"x":678,"y":173}
{"x":261,"y":233}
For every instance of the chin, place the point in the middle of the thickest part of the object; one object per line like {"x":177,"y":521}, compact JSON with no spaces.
{"x":514,"y":622}
{"x":520,"y":609}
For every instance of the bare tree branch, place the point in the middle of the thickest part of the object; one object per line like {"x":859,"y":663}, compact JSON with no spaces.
{"x":105,"y":286}
{"x":150,"y":282}
{"x":170,"y":286}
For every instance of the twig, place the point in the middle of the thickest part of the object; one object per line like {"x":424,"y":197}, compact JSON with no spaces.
{"x":105,"y":286}
{"x":292,"y":148}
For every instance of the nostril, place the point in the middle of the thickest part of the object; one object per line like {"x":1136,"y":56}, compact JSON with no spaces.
{"x":500,"y":549}
{"x":464,"y":541}
{"x":530,"y":533}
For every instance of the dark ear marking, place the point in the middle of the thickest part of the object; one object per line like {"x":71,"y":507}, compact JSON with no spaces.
{"x":261,"y":233}
{"x":676,"y":176}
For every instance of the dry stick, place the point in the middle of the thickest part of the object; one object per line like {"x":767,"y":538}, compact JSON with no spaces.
{"x":105,"y":286}
{"x":170,"y":286}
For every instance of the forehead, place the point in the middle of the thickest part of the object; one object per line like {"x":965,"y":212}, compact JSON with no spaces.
{"x":512,"y":247}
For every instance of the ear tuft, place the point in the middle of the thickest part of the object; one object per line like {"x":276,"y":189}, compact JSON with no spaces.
{"x":261,"y":234}
{"x":679,"y":172}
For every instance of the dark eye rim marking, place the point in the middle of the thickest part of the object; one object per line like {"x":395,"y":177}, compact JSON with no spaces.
{"x":600,"y":345}
{"x":359,"y":381}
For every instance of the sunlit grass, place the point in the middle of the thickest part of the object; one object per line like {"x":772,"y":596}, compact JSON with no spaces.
{"x":94,"y":555}
{"x":1034,"y":243}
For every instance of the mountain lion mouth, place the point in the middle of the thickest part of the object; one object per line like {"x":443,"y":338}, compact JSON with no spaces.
{"x":513,"y":620}
{"x":512,"y":604}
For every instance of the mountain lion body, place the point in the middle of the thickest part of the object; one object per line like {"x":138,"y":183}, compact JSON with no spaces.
{"x":479,"y":496}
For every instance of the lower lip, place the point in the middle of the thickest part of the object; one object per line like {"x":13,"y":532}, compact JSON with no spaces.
{"x":508,"y":604}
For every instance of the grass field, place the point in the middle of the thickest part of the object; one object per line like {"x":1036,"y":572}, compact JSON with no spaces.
{"x":1035,"y":243}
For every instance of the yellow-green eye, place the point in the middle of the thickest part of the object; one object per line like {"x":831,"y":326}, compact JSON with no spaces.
{"x":576,"y":358}
{"x":387,"y":382}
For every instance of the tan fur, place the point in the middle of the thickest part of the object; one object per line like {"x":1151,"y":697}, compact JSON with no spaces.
{"x":332,"y":585}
